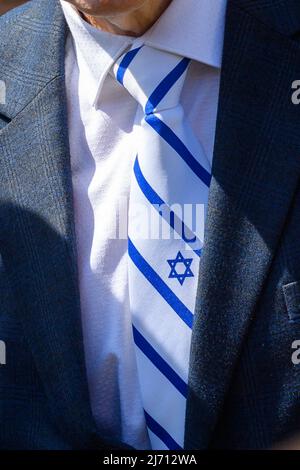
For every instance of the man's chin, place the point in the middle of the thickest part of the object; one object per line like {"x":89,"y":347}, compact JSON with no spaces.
{"x":106,"y":7}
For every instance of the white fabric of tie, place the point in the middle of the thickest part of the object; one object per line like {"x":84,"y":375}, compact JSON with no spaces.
{"x":169,"y":190}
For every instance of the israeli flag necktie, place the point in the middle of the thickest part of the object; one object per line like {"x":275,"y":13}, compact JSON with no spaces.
{"x":169,"y":192}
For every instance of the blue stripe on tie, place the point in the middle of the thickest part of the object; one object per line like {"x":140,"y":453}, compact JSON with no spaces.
{"x":156,"y":200}
{"x":161,"y":433}
{"x":182,"y":311}
{"x":126,"y":61}
{"x":171,"y":138}
{"x":148,"y":191}
{"x":165,"y":86}
{"x":159,"y":362}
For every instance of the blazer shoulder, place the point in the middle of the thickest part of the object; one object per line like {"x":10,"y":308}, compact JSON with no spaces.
{"x":28,"y":34}
{"x":282,"y":16}
{"x":32,"y":51}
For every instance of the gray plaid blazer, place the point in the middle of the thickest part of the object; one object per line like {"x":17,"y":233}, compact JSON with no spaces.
{"x":244,"y":389}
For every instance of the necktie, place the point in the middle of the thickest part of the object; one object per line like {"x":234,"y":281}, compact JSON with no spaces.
{"x":168,"y":197}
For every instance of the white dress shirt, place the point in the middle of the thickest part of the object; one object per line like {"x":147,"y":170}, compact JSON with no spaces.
{"x":101,"y":116}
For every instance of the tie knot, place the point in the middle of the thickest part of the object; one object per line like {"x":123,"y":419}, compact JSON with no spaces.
{"x":153,"y":77}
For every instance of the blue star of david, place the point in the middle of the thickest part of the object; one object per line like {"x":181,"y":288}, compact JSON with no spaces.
{"x":181,"y":277}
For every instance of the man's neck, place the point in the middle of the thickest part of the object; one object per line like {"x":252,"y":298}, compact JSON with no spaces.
{"x":134,"y":23}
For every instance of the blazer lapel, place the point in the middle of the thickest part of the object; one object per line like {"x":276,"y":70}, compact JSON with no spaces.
{"x":255,"y":174}
{"x":37,"y":232}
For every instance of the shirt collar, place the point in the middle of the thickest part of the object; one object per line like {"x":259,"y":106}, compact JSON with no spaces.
{"x":191,"y":28}
{"x":96,"y":51}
